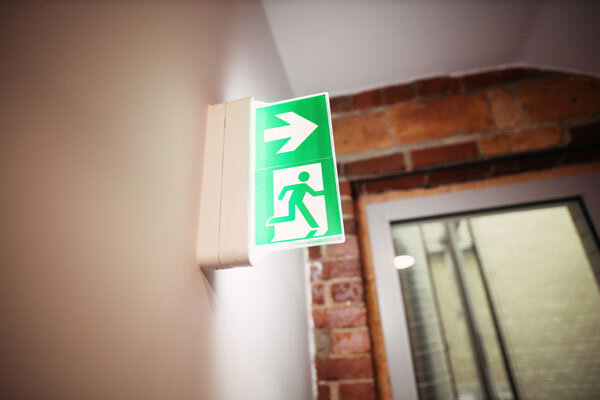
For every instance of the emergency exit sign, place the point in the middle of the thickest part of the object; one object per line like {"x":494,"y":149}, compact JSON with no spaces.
{"x":295,"y":190}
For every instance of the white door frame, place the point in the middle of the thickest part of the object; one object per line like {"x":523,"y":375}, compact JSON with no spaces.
{"x":381,"y":215}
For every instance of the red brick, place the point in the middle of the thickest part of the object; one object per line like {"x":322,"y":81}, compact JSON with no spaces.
{"x":360,"y":132}
{"x":348,"y":248}
{"x":320,"y":318}
{"x":454,"y":86}
{"x":340,"y":169}
{"x":371,"y":98}
{"x":422,"y":121}
{"x":322,"y":343}
{"x":445,"y":154}
{"x":438,"y":85}
{"x":344,"y":368}
{"x":345,"y":291}
{"x":348,"y":207}
{"x":316,"y":272}
{"x":536,"y":139}
{"x":458,"y":174}
{"x":324,"y":392}
{"x":400,"y":183}
{"x":350,"y":226}
{"x":314,"y":253}
{"x":341,"y":268}
{"x":342,"y":317}
{"x":495,"y":145}
{"x":340,"y":104}
{"x":350,"y":342}
{"x":318,"y":294}
{"x":397,"y":93}
{"x":507,"y":109}
{"x":585,"y":133}
{"x":376,"y":166}
{"x":560,"y":97}
{"x":357,"y":391}
{"x":345,"y":188}
{"x":487,"y":78}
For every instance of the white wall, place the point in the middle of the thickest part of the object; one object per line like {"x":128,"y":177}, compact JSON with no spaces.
{"x":261,"y":327}
{"x":270,"y":362}
{"x":344,"y":46}
{"x":103,"y":106}
{"x":564,"y":35}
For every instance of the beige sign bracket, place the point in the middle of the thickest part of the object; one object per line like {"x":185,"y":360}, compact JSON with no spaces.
{"x":223,"y":222}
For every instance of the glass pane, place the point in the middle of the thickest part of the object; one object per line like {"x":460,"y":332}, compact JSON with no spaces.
{"x":461,"y":357}
{"x":543,"y":287}
{"x":428,"y":349}
{"x":503,"y":304}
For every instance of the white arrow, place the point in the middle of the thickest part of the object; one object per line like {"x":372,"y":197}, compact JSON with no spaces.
{"x":298,"y":130}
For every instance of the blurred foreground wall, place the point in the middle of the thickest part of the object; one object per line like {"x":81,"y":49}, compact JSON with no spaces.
{"x":103,"y":107}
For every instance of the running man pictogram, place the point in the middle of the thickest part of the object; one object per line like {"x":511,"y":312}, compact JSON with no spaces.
{"x":298,"y":190}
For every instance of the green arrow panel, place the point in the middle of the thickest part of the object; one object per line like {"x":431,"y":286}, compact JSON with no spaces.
{"x":317,"y":146}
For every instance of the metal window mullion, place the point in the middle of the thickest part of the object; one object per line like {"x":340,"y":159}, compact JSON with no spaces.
{"x":439,"y":315}
{"x":474,"y":335}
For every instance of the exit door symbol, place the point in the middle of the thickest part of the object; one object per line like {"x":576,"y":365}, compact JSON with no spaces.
{"x":299,"y":203}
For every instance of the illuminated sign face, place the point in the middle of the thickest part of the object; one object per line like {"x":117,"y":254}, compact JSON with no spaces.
{"x":295,"y":189}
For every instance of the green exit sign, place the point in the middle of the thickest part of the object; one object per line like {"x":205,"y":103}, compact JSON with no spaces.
{"x":295,"y":192}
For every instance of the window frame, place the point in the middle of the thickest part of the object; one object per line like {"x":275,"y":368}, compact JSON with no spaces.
{"x":380,"y":216}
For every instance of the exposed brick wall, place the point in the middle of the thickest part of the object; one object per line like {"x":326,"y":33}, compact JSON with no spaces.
{"x":478,"y":120}
{"x":427,"y":133}
{"x":344,"y":362}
